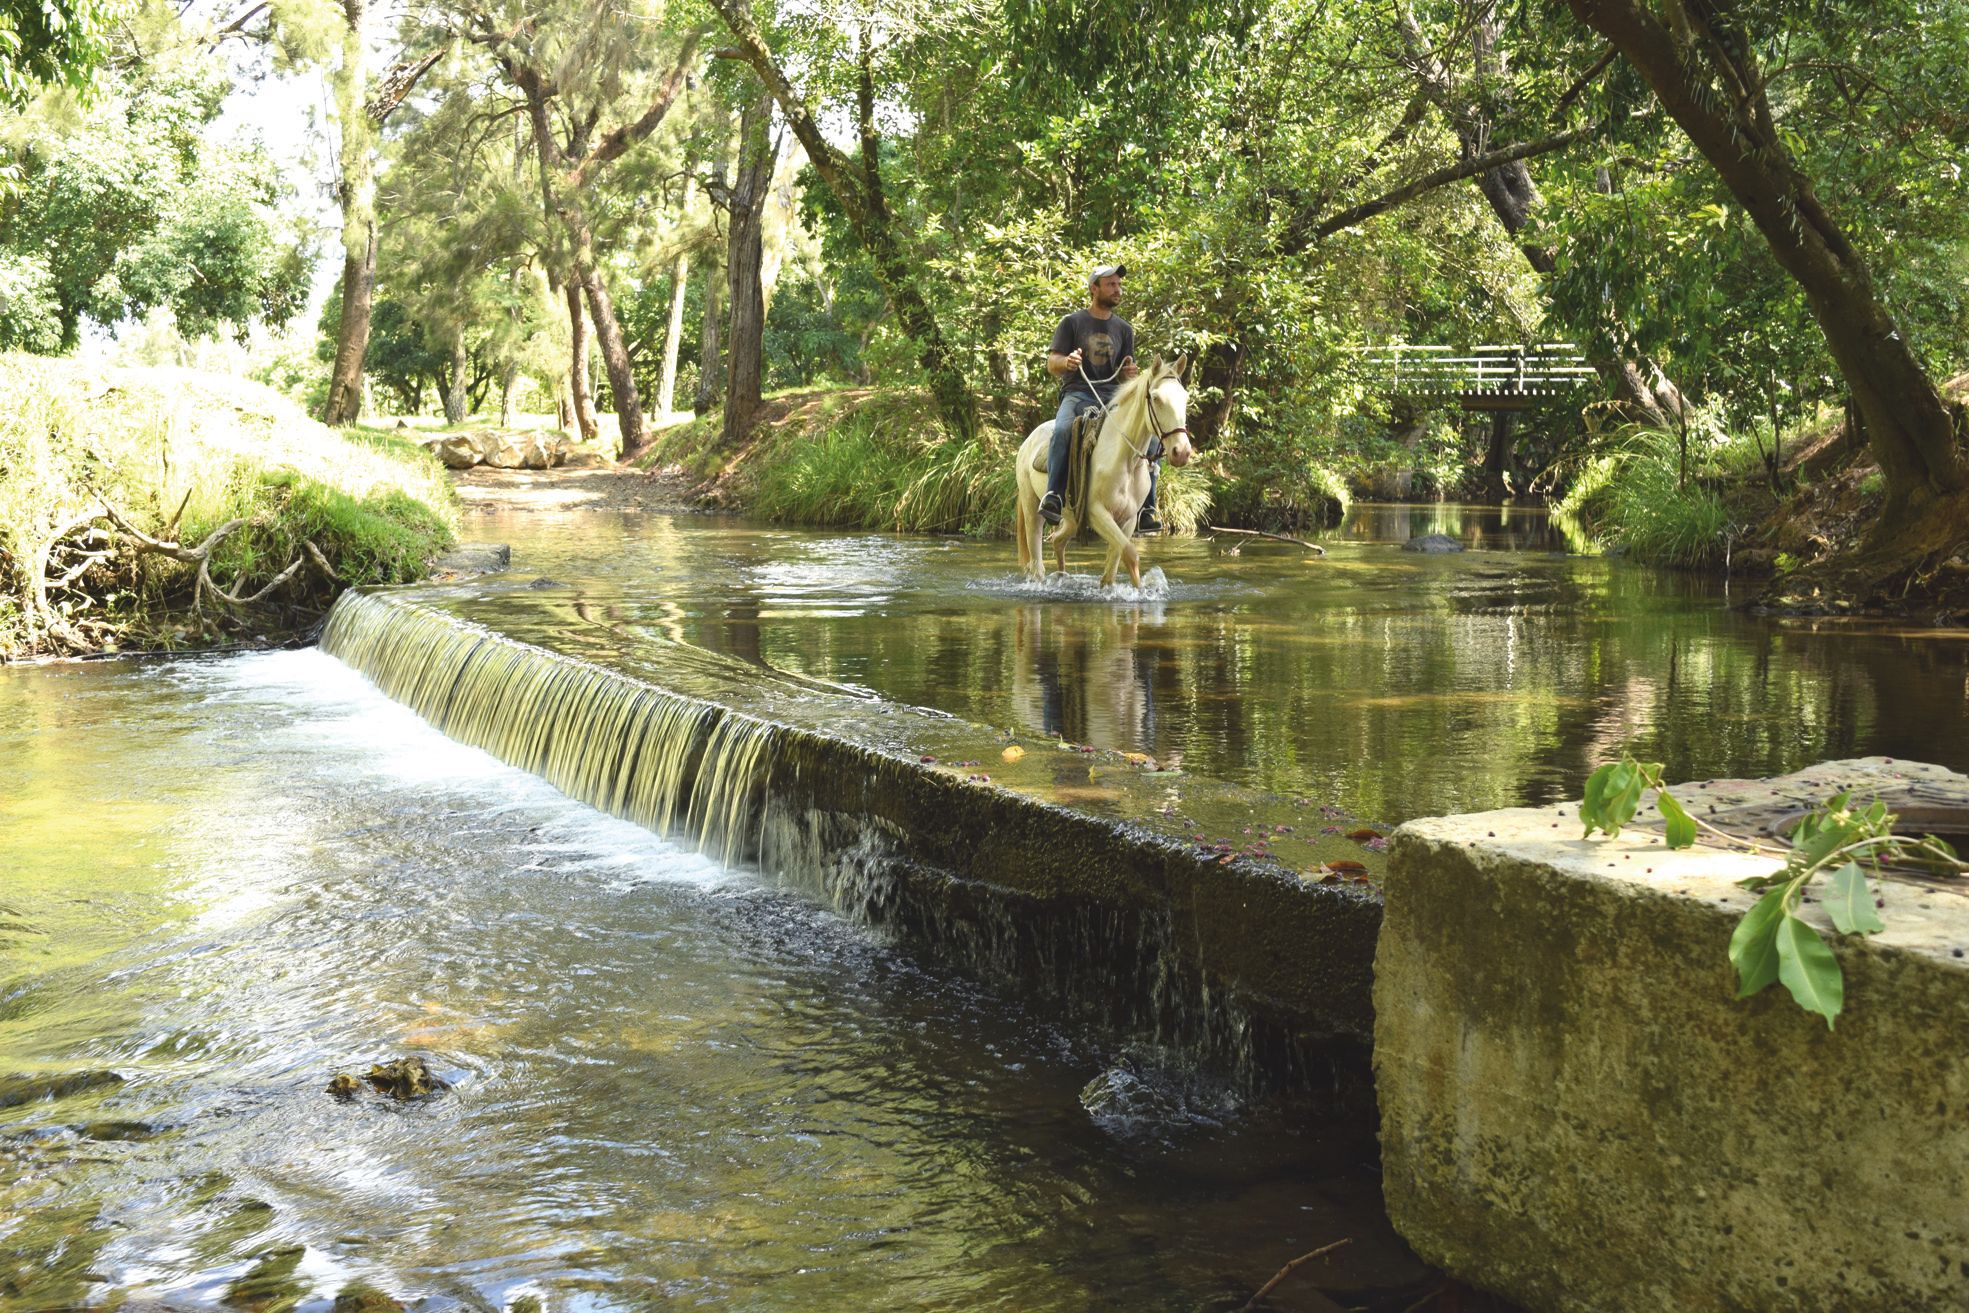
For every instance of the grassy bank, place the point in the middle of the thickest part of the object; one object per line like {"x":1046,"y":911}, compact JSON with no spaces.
{"x":856,"y":458}
{"x":234,"y":486}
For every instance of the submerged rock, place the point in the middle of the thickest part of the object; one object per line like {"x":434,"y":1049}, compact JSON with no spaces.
{"x":403,"y":1079}
{"x":1432,"y":543}
{"x":16,"y":1090}
{"x":361,"y":1297}
{"x":1134,"y":1099}
{"x":406,"y":1078}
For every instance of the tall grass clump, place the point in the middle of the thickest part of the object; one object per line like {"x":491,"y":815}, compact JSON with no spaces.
{"x":176,"y":455}
{"x":1640,"y":496}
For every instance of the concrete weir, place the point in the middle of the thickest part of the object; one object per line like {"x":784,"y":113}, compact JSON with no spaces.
{"x":1074,"y":871}
{"x":1577,"y":1113}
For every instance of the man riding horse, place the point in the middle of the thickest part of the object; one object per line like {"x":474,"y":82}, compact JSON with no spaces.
{"x":1093,"y":353}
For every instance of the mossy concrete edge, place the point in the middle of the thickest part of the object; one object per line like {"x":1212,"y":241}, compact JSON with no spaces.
{"x":1577,"y":1113}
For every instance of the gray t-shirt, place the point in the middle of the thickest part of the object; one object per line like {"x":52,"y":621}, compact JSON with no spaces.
{"x":1103,"y":343}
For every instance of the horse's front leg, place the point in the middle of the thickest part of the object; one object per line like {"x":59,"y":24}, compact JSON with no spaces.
{"x":1120,"y":546}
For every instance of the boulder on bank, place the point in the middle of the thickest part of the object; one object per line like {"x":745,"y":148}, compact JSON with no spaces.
{"x":1432,"y":543}
{"x":501,"y":450}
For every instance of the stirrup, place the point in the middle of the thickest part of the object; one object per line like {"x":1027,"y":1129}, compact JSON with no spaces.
{"x":1146,"y":522}
{"x":1049,"y":508}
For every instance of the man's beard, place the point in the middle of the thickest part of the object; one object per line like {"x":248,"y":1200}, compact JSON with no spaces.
{"x":1107,"y":300}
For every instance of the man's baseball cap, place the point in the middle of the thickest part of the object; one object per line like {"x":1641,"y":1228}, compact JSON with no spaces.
{"x":1103,"y":270}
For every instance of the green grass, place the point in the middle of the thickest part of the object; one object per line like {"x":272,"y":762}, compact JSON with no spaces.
{"x":165,"y":444}
{"x":1635,"y":495}
{"x":877,"y":460}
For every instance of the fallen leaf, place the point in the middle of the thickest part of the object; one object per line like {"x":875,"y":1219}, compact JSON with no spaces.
{"x":1346,"y":865}
{"x":1013,"y":753}
{"x":1363,"y":834}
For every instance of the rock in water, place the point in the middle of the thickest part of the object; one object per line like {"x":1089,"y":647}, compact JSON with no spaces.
{"x":406,"y":1078}
{"x":1432,"y":543}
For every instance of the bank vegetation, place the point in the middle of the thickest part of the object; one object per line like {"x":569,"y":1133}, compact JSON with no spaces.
{"x":166,"y":509}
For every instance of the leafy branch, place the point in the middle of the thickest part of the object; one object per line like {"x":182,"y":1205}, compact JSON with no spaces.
{"x":1835,"y":840}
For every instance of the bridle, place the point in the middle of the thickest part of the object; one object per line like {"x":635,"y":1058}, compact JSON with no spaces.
{"x":1160,"y":442}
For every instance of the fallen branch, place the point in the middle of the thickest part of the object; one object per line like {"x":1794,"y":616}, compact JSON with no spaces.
{"x":1287,"y":1271}
{"x":1260,"y":533}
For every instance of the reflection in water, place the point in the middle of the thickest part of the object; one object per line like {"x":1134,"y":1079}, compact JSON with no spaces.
{"x":1087,"y":674}
{"x":1393,"y":684}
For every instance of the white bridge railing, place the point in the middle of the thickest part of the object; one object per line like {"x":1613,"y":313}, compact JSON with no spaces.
{"x":1526,"y":369}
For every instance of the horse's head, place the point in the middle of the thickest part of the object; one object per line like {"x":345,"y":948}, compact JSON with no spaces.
{"x":1169,"y":405}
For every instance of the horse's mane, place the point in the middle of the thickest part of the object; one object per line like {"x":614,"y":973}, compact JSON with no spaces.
{"x":1131,"y":395}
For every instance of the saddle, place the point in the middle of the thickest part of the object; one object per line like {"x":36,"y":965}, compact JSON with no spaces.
{"x":1082,"y":438}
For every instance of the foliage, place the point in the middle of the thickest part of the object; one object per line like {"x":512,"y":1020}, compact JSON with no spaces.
{"x":44,"y":42}
{"x":183,"y":453}
{"x":1773,"y":941}
{"x":1655,"y":499}
{"x":129,"y":203}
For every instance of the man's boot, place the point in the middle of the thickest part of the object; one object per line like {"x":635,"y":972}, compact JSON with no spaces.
{"x":1049,"y":508}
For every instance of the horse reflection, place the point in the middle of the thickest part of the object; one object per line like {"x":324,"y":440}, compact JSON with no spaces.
{"x":1086,"y":675}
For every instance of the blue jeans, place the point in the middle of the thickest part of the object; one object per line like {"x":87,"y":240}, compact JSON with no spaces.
{"x":1073,"y":404}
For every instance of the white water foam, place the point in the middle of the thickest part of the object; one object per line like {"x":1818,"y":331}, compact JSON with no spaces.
{"x":332,"y":723}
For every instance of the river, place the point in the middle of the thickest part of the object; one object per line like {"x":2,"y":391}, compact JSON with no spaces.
{"x":228,"y":879}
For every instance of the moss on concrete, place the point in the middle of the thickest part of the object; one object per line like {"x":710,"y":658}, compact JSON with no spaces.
{"x":1578,"y":1114}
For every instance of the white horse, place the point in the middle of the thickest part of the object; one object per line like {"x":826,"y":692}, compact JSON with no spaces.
{"x":1151,"y":405}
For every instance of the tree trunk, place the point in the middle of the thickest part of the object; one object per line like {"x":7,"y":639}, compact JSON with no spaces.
{"x":580,"y":395}
{"x":460,"y":378}
{"x":745,"y":254}
{"x":1406,"y":429}
{"x":1707,"y":80}
{"x":508,"y":376}
{"x":615,"y":359}
{"x":1497,"y":455}
{"x":710,"y":354}
{"x":1220,"y":368}
{"x":673,"y":334}
{"x":857,"y":186}
{"x":357,"y":188}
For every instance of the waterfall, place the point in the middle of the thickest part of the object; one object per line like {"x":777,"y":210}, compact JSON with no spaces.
{"x":1132,"y":928}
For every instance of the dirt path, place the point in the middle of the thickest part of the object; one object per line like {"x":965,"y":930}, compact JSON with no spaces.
{"x":598,"y":487}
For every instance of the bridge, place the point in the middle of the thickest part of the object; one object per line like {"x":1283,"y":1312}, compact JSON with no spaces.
{"x":1493,"y":377}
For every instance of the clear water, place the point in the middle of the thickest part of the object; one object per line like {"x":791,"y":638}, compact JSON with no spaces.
{"x":227,"y":880}
{"x":1388,"y":683}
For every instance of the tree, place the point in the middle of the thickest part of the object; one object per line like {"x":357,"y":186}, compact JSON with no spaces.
{"x":758,"y":152}
{"x":857,"y":187}
{"x":125,"y":205}
{"x":568,"y":81}
{"x":360,"y":113}
{"x":47,"y":43}
{"x":1703,"y":62}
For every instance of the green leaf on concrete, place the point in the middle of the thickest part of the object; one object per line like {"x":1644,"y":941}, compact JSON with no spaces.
{"x":1754,"y":946}
{"x":1681,"y":826}
{"x":1592,"y":808}
{"x":1850,"y":903}
{"x":1809,"y":970}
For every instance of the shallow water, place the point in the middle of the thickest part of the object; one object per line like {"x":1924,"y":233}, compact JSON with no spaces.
{"x":229,"y":879}
{"x":1389,"y":683}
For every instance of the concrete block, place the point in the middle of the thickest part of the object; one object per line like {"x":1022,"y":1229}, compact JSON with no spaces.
{"x":1577,"y":1113}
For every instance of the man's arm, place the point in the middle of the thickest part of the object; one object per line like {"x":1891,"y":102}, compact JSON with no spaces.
{"x":1058,"y":365}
